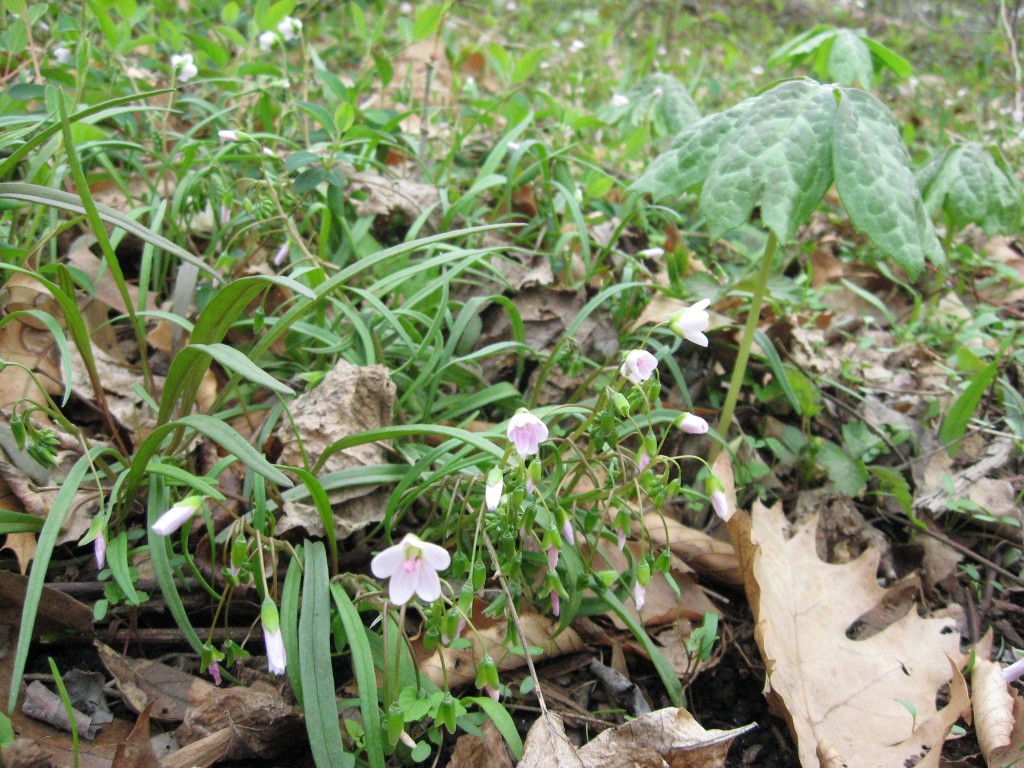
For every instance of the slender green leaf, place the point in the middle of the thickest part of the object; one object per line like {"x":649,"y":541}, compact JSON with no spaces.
{"x":290,"y":622}
{"x":955,"y":424}
{"x":366,"y":675}
{"x":160,"y":559}
{"x":316,"y":673}
{"x":117,"y":559}
{"x":503,"y":722}
{"x":44,"y":550}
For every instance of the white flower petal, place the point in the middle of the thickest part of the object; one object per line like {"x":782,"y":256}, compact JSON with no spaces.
{"x":434,"y":556}
{"x":388,"y":562}
{"x":428,"y":585}
{"x":403,"y":585}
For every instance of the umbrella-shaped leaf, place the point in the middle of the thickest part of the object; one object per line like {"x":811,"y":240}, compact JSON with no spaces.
{"x":777,"y":156}
{"x":849,"y":60}
{"x":971,"y":184}
{"x":876,"y":185}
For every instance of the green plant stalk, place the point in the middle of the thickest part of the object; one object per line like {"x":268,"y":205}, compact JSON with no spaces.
{"x":739,"y":369}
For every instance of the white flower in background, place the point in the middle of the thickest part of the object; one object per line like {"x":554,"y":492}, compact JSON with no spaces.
{"x":405,"y":8}
{"x":526,"y":432}
{"x":492,"y":490}
{"x":272,"y":637}
{"x":184,"y":67}
{"x":691,"y":322}
{"x":267,"y":40}
{"x":177,"y":516}
{"x":651,"y":253}
{"x":619,"y":100}
{"x":691,"y":423}
{"x":62,"y":55}
{"x":289,"y":28}
{"x":227,"y":135}
{"x":576,"y":46}
{"x":639,"y":366}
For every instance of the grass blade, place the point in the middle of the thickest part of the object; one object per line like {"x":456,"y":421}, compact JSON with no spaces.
{"x":316,"y":674}
{"x":366,"y":675}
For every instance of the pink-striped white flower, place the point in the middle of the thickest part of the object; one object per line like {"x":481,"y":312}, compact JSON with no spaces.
{"x":273,"y":640}
{"x":569,"y":533}
{"x":184,"y":67}
{"x":639,"y":366}
{"x":492,"y":490}
{"x":692,"y":423}
{"x":177,"y":516}
{"x":639,"y":595}
{"x":99,"y":546}
{"x":691,"y":322}
{"x":412,"y":566}
{"x":721,"y":505}
{"x":526,"y":432}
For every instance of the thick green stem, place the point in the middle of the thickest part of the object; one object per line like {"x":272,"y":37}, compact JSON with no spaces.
{"x":739,"y":370}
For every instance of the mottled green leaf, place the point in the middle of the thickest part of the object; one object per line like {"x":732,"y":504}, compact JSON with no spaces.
{"x":849,"y":60}
{"x":777,"y":156}
{"x":664,"y":100}
{"x":971,"y":184}
{"x":685,"y":164}
{"x":876,"y":185}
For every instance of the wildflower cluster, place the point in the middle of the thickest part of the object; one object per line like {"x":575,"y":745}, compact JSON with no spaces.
{"x":531,"y":524}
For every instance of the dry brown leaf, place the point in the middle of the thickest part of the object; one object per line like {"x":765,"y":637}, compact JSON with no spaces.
{"x":80,"y":256}
{"x":668,"y":737}
{"x":489,"y":638}
{"x":827,"y":686}
{"x":136,"y":751}
{"x":998,"y":710}
{"x":252,"y":721}
{"x":23,"y":545}
{"x":547,"y":746}
{"x":475,"y":752}
{"x":350,"y":399}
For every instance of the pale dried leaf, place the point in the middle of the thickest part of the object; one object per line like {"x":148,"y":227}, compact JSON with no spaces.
{"x":826,"y":685}
{"x":350,"y":400}
{"x":489,"y":638}
{"x":998,"y":710}
{"x":668,"y":737}
{"x":547,"y":746}
{"x":23,"y":545}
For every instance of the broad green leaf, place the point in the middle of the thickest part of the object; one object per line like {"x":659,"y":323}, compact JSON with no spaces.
{"x":847,"y":474}
{"x":849,"y":60}
{"x":317,"y":673}
{"x":777,"y":156}
{"x":290,"y":622}
{"x":971,"y":184}
{"x":876,"y":185}
{"x":665,"y":100}
{"x":685,"y":165}
{"x":889,"y":59}
{"x":802,"y":45}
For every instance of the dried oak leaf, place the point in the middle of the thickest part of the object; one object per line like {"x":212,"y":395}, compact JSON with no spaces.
{"x":668,"y":737}
{"x":840,"y":695}
{"x":998,"y":710}
{"x":547,"y":746}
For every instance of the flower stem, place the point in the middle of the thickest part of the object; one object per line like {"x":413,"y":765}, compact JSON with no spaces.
{"x":739,"y":369}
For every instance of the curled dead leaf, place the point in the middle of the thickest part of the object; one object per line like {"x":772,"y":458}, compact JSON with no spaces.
{"x":998,"y":710}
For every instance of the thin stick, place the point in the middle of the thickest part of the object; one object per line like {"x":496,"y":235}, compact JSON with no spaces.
{"x":519,"y":626}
